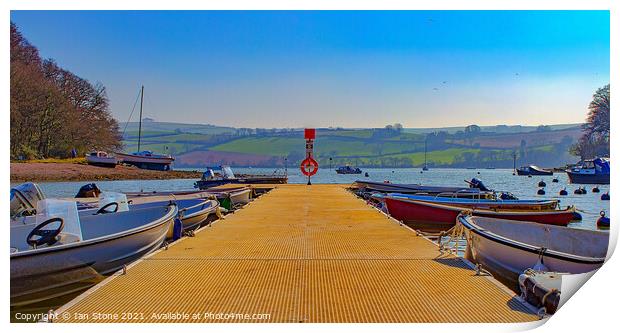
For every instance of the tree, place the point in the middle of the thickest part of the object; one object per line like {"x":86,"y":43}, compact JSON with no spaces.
{"x":595,"y":139}
{"x":472,"y":129}
{"x":52,"y":110}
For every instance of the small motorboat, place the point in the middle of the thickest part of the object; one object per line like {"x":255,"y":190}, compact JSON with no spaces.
{"x":233,"y":197}
{"x":533,"y":170}
{"x":192,"y":212}
{"x":495,"y":204}
{"x":61,"y":256}
{"x":210,"y":178}
{"x":348,"y":170}
{"x":101,"y":159}
{"x":595,"y":171}
{"x":434,"y":217}
{"x":457,"y":192}
{"x":508,"y":248}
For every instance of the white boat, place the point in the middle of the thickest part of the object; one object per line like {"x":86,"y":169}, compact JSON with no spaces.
{"x":48,"y":262}
{"x":101,"y":158}
{"x":507,"y":248}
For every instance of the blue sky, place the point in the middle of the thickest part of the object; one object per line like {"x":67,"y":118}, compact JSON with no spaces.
{"x":341,"y":68}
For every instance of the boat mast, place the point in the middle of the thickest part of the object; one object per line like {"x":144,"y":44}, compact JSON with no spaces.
{"x":514,"y":161}
{"x":140,"y":124}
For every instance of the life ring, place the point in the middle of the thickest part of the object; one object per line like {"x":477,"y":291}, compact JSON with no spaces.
{"x":309,"y":166}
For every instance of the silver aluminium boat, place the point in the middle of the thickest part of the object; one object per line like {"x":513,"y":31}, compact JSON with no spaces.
{"x":46,"y":263}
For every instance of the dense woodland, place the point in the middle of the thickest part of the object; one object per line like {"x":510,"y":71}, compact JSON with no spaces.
{"x":53,"y":110}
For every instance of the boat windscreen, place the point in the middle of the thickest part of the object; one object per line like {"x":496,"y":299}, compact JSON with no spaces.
{"x":227,"y":172}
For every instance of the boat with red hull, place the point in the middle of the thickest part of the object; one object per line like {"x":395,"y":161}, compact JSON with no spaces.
{"x":434,"y":217}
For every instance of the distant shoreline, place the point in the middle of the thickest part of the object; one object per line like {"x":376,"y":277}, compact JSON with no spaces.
{"x":65,"y":171}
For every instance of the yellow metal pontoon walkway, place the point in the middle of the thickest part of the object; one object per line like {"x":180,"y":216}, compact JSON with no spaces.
{"x":300,"y":254}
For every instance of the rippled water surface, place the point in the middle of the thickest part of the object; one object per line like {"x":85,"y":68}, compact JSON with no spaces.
{"x":498,"y":179}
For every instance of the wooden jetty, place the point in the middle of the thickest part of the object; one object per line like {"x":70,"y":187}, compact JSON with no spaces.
{"x":300,"y":254}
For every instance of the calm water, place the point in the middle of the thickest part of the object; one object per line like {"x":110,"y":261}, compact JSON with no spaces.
{"x":498,"y":179}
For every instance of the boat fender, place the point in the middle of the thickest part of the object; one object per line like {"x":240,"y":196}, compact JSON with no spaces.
{"x":595,"y":189}
{"x":603,"y":221}
{"x":541,"y":192}
{"x":563,"y":192}
{"x":555,"y":180}
{"x":605,"y":196}
{"x":542,"y":184}
{"x":177,"y":230}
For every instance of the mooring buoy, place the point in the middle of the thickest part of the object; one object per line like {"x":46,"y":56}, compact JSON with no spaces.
{"x":595,"y":189}
{"x":605,"y":196}
{"x":542,"y":183}
{"x":541,"y":192}
{"x":555,"y":180}
{"x":603,"y":221}
{"x":563,"y":191}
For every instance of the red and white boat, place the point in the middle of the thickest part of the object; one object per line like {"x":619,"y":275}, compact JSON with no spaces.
{"x":434,"y":217}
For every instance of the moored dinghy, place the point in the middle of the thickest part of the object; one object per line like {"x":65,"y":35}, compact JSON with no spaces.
{"x":232,"y":197}
{"x":435,"y":217}
{"x":47,"y":261}
{"x":525,"y":205}
{"x":508,"y":248}
{"x":192,"y":212}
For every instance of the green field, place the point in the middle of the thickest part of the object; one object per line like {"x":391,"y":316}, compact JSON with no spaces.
{"x":370,"y":147}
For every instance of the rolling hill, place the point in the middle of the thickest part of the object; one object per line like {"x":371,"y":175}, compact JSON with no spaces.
{"x":196,"y":145}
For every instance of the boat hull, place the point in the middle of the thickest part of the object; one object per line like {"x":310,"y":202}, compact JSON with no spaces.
{"x":431,"y":217}
{"x":520,"y":205}
{"x":106,"y":162}
{"x":230,"y":199}
{"x":534,"y":172}
{"x":457,"y":192}
{"x":206,"y":184}
{"x":75,"y":268}
{"x":146,"y":162}
{"x":506,"y":259}
{"x":577,"y":178}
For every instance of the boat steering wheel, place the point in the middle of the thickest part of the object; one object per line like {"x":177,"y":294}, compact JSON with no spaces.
{"x":103,"y":210}
{"x":45,"y":236}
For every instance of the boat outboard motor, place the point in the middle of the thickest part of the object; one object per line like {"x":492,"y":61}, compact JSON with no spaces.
{"x":208,"y":175}
{"x":24,"y":199}
{"x":477,"y":183}
{"x":508,"y":196}
{"x":88,"y":191}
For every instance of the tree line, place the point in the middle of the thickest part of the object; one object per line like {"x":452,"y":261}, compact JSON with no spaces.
{"x":54,"y":111}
